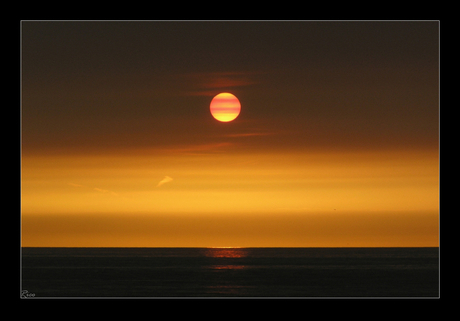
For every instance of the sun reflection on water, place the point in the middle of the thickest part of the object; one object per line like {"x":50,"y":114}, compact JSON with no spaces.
{"x":226,"y":263}
{"x":230,"y":252}
{"x":225,"y":256}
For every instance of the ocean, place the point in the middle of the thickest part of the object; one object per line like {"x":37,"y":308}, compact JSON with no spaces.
{"x":229,"y":273}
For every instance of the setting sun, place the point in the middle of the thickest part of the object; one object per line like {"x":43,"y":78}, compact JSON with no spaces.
{"x":225,"y":107}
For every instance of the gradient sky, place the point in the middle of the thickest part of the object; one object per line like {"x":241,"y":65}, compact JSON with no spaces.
{"x":337,"y":142}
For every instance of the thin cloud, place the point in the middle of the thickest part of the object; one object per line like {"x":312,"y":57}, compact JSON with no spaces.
{"x":248,"y":134}
{"x":76,"y":185}
{"x":208,"y":83}
{"x":165,"y":180}
{"x":105,"y":191}
{"x":198,"y":149}
{"x":100,"y":190}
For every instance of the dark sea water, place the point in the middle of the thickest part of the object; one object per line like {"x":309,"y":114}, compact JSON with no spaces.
{"x":229,"y":272}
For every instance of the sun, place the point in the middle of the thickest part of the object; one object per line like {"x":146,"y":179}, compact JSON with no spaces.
{"x":225,"y":107}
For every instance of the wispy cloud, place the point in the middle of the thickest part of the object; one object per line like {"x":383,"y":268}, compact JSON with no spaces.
{"x":165,"y":180}
{"x":100,"y":190}
{"x":199,"y":149}
{"x":208,"y":83}
{"x":248,"y":134}
{"x":76,"y":185}
{"x":105,"y":191}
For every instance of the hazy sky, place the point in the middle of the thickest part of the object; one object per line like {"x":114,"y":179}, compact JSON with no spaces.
{"x":341,"y":112}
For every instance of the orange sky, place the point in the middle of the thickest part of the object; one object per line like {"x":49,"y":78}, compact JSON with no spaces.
{"x":327,"y":199}
{"x":336,"y":143}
